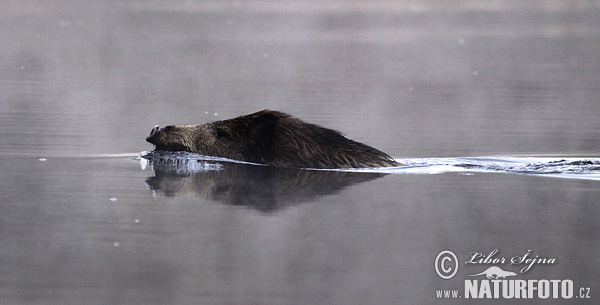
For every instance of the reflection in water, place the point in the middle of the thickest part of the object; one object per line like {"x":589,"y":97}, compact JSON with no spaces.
{"x":415,"y":79}
{"x":264,"y":188}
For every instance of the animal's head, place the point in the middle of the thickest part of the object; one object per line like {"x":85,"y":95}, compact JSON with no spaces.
{"x":240,"y":138}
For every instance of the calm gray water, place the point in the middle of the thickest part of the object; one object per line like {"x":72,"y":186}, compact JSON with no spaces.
{"x":84,"y":221}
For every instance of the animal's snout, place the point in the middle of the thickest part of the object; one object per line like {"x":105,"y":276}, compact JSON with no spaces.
{"x":153,"y":133}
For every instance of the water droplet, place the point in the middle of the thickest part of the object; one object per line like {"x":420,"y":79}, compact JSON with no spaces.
{"x":475,"y":72}
{"x":42,"y":159}
{"x":136,"y":221}
{"x":116,"y":244}
{"x":216,"y":114}
{"x":113,"y":199}
{"x":144,"y":163}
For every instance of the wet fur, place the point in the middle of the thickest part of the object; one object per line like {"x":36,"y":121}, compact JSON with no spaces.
{"x":271,"y":138}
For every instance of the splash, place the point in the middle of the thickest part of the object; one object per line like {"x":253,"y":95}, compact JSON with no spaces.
{"x":571,"y":168}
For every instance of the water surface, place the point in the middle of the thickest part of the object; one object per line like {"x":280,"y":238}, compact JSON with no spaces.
{"x":498,"y":85}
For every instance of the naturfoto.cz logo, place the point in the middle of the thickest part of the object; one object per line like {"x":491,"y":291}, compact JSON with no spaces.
{"x":499,"y":282}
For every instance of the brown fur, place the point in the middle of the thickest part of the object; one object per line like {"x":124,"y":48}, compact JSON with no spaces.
{"x":271,"y":138}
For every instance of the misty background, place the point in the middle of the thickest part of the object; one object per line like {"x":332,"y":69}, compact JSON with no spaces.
{"x":83,"y":82}
{"x":415,"y":79}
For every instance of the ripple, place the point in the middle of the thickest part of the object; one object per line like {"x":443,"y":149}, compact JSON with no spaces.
{"x":561,"y":167}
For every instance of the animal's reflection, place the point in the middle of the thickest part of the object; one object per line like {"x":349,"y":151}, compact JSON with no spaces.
{"x":264,"y":188}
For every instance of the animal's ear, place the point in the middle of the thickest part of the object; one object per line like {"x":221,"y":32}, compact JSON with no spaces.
{"x":261,"y":127}
{"x":260,"y":135}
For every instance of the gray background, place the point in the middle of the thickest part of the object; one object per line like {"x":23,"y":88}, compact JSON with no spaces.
{"x":81,"y":82}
